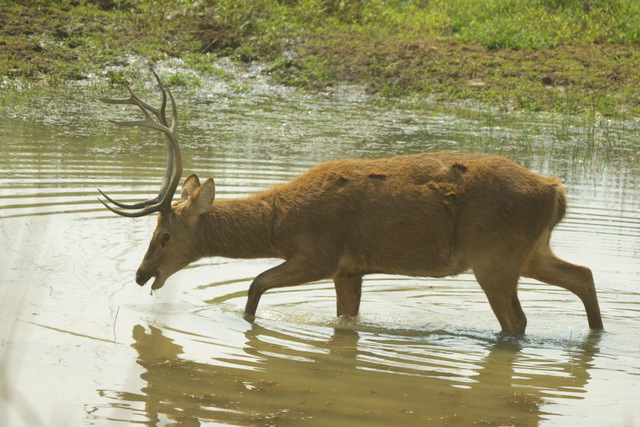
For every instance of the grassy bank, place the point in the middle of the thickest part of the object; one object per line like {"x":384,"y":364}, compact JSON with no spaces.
{"x":562,"y":55}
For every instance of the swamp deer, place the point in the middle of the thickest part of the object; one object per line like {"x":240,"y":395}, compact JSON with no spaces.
{"x":432,"y":214}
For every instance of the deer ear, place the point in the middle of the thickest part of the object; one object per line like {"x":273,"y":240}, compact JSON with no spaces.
{"x":200,"y":200}
{"x":190,"y":185}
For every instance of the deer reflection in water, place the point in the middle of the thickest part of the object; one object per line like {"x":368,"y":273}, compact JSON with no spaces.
{"x":353,"y":376}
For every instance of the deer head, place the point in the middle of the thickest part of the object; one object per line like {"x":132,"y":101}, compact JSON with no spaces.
{"x":170,"y":248}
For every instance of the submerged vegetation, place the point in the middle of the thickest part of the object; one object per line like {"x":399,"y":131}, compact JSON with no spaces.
{"x":549,"y":55}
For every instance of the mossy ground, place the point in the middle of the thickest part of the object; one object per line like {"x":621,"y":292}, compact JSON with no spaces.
{"x":603,"y":77}
{"x":393,"y":48}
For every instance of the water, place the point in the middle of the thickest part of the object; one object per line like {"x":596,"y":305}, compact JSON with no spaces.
{"x":82,"y":344}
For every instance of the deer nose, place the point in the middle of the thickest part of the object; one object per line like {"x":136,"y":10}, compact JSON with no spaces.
{"x":142,"y":277}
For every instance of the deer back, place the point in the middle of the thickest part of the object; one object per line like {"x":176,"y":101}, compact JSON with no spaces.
{"x":426,"y":213}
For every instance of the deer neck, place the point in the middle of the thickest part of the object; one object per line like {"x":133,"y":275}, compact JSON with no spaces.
{"x":237,"y":228}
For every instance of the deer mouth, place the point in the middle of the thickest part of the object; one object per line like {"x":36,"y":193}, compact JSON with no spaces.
{"x":158,"y":282}
{"x":142,"y":277}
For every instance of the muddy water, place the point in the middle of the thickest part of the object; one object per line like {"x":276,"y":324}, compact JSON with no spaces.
{"x":82,"y":344}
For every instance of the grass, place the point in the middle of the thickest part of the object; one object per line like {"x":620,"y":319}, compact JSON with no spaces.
{"x":535,"y":55}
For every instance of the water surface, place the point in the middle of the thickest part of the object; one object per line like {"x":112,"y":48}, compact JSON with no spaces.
{"x":82,"y":344}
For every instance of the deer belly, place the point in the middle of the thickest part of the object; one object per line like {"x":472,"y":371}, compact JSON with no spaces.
{"x":412,"y":251}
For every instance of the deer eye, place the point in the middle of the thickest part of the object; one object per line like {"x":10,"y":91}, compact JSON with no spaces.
{"x":164,"y":239}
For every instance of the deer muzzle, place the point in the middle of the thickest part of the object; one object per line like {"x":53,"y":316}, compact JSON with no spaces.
{"x":142,"y":277}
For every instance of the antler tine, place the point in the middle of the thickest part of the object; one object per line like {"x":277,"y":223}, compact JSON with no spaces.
{"x":132,"y":100}
{"x":148,"y":210}
{"x":138,"y":205}
{"x":171,"y":137}
{"x":162,"y":202}
{"x":160,"y":113}
{"x":172,"y":149}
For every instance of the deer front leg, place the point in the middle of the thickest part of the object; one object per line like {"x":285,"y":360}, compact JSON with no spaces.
{"x":293,"y":272}
{"x":348,"y":293}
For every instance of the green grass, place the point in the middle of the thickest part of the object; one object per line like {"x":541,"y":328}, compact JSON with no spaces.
{"x":534,"y":55}
{"x":495,"y":24}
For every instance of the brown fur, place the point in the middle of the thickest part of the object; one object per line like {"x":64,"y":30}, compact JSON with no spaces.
{"x":432,"y":214}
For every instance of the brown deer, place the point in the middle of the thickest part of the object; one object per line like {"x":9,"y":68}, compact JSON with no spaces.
{"x":432,"y":214}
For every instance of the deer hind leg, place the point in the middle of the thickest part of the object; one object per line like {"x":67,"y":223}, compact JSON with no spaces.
{"x":501,"y":289}
{"x":348,"y":293}
{"x":544,"y":266}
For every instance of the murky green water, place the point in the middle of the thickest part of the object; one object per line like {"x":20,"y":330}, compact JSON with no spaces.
{"x":82,"y":344}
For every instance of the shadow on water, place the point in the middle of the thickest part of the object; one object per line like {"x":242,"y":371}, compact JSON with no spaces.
{"x":339,"y":378}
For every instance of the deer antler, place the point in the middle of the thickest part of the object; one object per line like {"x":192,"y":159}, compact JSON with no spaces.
{"x":162,"y":202}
